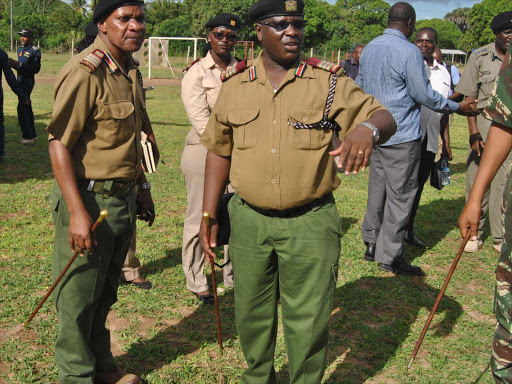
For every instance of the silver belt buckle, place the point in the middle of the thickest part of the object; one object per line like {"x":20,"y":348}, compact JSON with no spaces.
{"x":91,"y":185}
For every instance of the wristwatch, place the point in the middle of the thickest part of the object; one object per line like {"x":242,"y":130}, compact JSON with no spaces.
{"x":143,"y":187}
{"x":374,"y":130}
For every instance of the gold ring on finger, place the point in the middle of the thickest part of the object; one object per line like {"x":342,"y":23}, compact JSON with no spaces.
{"x":360,"y":152}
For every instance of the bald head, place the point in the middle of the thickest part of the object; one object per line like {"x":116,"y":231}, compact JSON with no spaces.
{"x":402,"y":17}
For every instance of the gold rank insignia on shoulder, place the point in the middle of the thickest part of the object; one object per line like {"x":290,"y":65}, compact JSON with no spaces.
{"x":291,"y":6}
{"x":93,"y":60}
{"x":233,"y":70}
{"x":325,"y":65}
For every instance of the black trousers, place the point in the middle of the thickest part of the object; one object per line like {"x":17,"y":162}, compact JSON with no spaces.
{"x":426,"y":164}
{"x":25,"y":113}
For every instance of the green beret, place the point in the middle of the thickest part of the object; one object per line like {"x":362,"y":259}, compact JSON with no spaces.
{"x":502,"y":22}
{"x":263,"y":9}
{"x":105,"y":7}
{"x":226,"y":20}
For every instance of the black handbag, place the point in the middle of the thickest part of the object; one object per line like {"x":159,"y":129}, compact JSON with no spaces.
{"x":436,"y":175}
{"x":223,"y":220}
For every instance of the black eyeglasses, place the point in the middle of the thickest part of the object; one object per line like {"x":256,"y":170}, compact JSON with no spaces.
{"x":280,"y":26}
{"x":231,"y":37}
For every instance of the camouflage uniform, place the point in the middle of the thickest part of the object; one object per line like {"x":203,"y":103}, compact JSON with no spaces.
{"x":499,"y":110}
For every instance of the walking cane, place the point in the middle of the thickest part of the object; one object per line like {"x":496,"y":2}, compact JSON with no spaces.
{"x":206,"y":217}
{"x":438,"y":300}
{"x":103,"y":215}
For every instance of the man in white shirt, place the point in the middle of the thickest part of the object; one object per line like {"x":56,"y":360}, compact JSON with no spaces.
{"x":430,"y":121}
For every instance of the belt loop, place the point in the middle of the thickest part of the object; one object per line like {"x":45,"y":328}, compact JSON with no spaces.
{"x":107,"y":188}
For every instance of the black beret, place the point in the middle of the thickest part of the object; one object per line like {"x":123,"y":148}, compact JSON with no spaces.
{"x":106,"y":7}
{"x":26,"y":32}
{"x":263,"y":9}
{"x":502,"y":22}
{"x":91,"y":30}
{"x":227,"y":20}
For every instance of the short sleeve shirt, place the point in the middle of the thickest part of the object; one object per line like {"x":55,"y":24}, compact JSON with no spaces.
{"x":200,"y":88}
{"x":499,"y":108}
{"x":479,"y":75}
{"x":273,"y":164}
{"x":97,"y":115}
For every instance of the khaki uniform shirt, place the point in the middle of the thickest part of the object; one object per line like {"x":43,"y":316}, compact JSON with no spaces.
{"x":479,"y":75}
{"x":200,"y":88}
{"x":274,"y":165}
{"x":98,"y":117}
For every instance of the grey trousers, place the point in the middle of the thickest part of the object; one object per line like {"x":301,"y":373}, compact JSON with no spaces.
{"x":491,"y":202}
{"x":391,"y":192}
{"x":131,"y":264}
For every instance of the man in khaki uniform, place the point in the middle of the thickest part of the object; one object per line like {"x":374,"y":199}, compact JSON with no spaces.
{"x":272,"y":131}
{"x":94,"y":145}
{"x":477,"y":82}
{"x":200,"y":88}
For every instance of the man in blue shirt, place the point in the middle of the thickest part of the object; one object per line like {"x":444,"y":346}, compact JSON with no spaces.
{"x":393,"y":71}
{"x":28,"y":63}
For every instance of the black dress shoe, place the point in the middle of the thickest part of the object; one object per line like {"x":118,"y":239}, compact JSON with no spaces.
{"x":369,"y":255}
{"x":206,"y":299}
{"x":413,"y":240}
{"x":144,"y":284}
{"x":402,"y":267}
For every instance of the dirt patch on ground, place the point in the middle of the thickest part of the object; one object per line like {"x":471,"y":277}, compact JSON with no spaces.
{"x":117,"y":323}
{"x":479,"y":316}
{"x":27,"y":335}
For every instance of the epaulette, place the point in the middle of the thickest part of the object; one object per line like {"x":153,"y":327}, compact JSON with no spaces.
{"x":233,"y":70}
{"x":191,"y":64}
{"x":325,"y":65}
{"x":35,"y":48}
{"x":481,"y":51}
{"x":93,"y":60}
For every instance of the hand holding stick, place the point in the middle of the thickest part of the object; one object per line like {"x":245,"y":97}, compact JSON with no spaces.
{"x":103,"y":215}
{"x":206,"y":217}
{"x":438,"y":300}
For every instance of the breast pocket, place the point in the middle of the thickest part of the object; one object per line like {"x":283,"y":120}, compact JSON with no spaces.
{"x":307,"y":138}
{"x":120,"y":114}
{"x":487,"y":84}
{"x":245,"y":127}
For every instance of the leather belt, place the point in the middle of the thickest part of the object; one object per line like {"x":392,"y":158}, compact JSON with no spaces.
{"x":295,"y":211}
{"x":107,"y":188}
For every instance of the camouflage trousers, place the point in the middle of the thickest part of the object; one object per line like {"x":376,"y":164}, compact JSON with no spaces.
{"x":501,"y":361}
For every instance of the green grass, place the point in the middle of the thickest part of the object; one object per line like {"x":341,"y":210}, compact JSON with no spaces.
{"x":166,"y":337}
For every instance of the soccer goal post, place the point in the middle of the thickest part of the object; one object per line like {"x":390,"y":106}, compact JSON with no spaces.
{"x":158,"y":41}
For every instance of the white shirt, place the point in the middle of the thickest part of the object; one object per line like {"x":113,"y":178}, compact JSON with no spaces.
{"x":430,"y":121}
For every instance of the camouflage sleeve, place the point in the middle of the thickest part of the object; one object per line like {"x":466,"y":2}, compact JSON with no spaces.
{"x":499,"y":106}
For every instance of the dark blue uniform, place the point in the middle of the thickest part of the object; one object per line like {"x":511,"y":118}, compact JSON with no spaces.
{"x":29,"y":59}
{"x":11,"y":80}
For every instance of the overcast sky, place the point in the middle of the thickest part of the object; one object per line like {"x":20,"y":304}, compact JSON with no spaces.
{"x":428,"y":9}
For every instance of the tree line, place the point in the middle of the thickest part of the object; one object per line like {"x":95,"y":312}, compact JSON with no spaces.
{"x":331,"y":27}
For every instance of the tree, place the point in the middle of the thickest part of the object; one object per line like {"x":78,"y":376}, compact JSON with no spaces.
{"x":448,"y":35}
{"x":80,"y":6}
{"x":481,"y":15}
{"x":459,"y":17}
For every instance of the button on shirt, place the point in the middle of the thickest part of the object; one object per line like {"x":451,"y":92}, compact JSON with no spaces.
{"x":200,"y":88}
{"x":98,"y":117}
{"x":430,"y":121}
{"x":274,"y":165}
{"x":392,"y":70}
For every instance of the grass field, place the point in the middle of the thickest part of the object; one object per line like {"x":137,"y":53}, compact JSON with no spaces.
{"x":165,"y":336}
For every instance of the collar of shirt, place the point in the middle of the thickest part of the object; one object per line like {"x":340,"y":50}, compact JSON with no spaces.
{"x":209,"y":63}
{"x":354,"y":62}
{"x":262,"y":77}
{"x":26,"y":47}
{"x":435,"y":66}
{"x":394,"y":32}
{"x":494,"y":53}
{"x":114,"y":64}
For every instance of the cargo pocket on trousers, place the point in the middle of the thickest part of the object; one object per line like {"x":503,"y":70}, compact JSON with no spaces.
{"x":245,"y":127}
{"x":307,"y":138}
{"x":332,"y":284}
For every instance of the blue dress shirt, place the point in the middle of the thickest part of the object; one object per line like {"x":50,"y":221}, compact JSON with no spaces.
{"x":393,"y":71}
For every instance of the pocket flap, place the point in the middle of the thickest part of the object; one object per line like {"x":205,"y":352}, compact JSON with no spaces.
{"x":242,"y":116}
{"x":306,"y":115}
{"x":120,"y":109}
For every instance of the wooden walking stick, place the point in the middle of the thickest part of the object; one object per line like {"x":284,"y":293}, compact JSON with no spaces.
{"x":206,"y":217}
{"x":438,"y":300}
{"x":103,"y":215}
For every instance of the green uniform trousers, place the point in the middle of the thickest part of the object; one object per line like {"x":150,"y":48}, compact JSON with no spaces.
{"x":501,"y":361}
{"x":294,"y":260}
{"x":87,"y":291}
